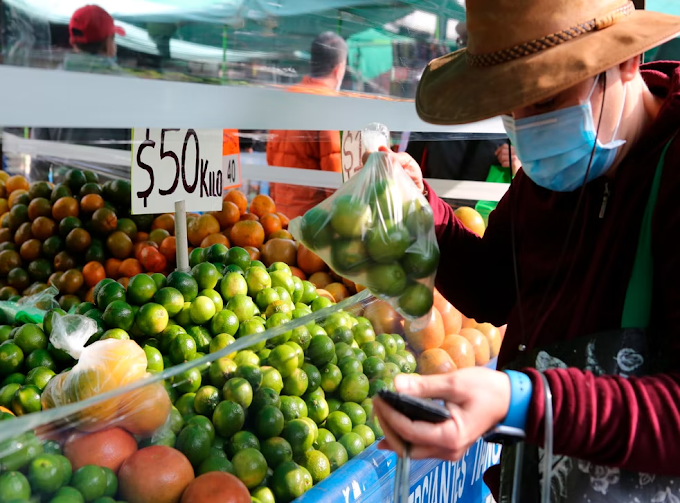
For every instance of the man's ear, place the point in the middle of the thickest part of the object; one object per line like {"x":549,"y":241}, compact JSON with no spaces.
{"x":629,"y":68}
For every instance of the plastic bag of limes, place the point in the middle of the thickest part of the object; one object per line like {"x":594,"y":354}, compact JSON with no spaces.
{"x":377,"y":231}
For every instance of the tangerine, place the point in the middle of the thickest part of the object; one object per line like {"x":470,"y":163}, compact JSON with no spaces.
{"x":130,"y":267}
{"x":320,"y":279}
{"x":247,"y":233}
{"x":460,"y":350}
{"x":107,"y":448}
{"x":157,"y":473}
{"x":168,"y":248}
{"x":91,"y":203}
{"x":249,"y":216}
{"x":238,"y":198}
{"x":309,"y":261}
{"x":282,"y":234}
{"x":471,"y":219}
{"x":298,"y":272}
{"x":229,"y":215}
{"x":253,"y":252}
{"x":30,"y":250}
{"x":43,"y":228}
{"x":71,"y":281}
{"x":18,"y":197}
{"x":23,"y":234}
{"x":214,"y":239}
{"x":261,"y":205}
{"x":271,"y":223}
{"x":383,"y":317}
{"x":284,"y":219}
{"x":104,"y":221}
{"x":338,"y":291}
{"x":65,"y":207}
{"x":112,"y":268}
{"x":166,"y":221}
{"x":16,"y":182}
{"x":279,"y":250}
{"x":429,"y":337}
{"x":78,"y":240}
{"x":479,"y":343}
{"x":93,"y":272}
{"x":119,"y":244}
{"x":39,"y":207}
{"x":435,"y":361}
{"x":201,"y":227}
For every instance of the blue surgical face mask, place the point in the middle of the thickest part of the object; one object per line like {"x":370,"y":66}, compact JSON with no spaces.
{"x":555,"y":148}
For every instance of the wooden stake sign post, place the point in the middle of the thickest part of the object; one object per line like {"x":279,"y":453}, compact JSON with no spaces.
{"x":178,"y":170}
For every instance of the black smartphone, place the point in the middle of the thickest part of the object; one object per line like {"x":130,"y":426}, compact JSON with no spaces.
{"x":414,"y":408}
{"x":504,"y":435}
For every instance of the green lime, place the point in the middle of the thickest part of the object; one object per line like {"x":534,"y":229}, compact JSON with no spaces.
{"x":338,"y":423}
{"x":111,"y":483}
{"x":321,"y":303}
{"x":266,"y":296}
{"x":298,"y":352}
{"x":276,"y":450}
{"x":283,"y":279}
{"x":388,"y":343}
{"x":400,"y":361}
{"x":375,"y":386}
{"x":238,"y":390}
{"x":324,"y":437}
{"x":220,"y":342}
{"x":109,"y":293}
{"x":6,"y":329}
{"x":20,"y":450}
{"x":386,"y":279}
{"x":271,"y":378}
{"x":309,"y":293}
{"x":196,"y":257}
{"x":421,"y":261}
{"x":224,"y":322}
{"x":258,"y":280}
{"x":7,"y":393}
{"x":336,"y":454}
{"x":265,"y":397}
{"x":252,"y":326}
{"x":354,"y":387}
{"x":30,"y":337}
{"x":188,"y":381}
{"x":283,"y":358}
{"x":221,"y":370}
{"x":363,"y":333}
{"x":90,"y":481}
{"x":246,"y":356}
{"x":269,"y":422}
{"x":390,"y":371}
{"x":11,"y":358}
{"x":201,"y":336}
{"x":251,"y":373}
{"x":299,"y":435}
{"x":164,"y":436}
{"x":233,"y":284}
{"x":317,"y":465}
{"x":366,"y":434}
{"x":194,"y":442}
{"x":410,"y":360}
{"x":350,"y":216}
{"x":373,"y":367}
{"x":40,"y":358}
{"x":215,"y":464}
{"x":182,"y":349}
{"x":299,"y":290}
{"x":416,"y":300}
{"x":14,"y":486}
{"x":321,"y":350}
{"x":262,"y":494}
{"x":313,"y":376}
{"x":250,"y":467}
{"x":290,"y":481}
{"x":206,"y":400}
{"x":115,"y":333}
{"x":151,"y":319}
{"x":183,"y":318}
{"x":119,"y":314}
{"x":26,"y":400}
{"x":353,"y":444}
{"x":399,"y":341}
{"x":141,"y":289}
{"x":238,"y":256}
{"x":84,"y":307}
{"x":154,"y":359}
{"x":355,"y":412}
{"x":185,"y":404}
{"x":388,"y":244}
{"x":374,"y":349}
{"x":215,"y":297}
{"x":234,"y":268}
{"x":185,"y":283}
{"x":15,"y":378}
{"x":293,"y":407}
{"x":241,"y":440}
{"x":202,"y":310}
{"x":206,"y":275}
{"x":331,"y":377}
{"x":284,"y":294}
{"x":301,"y":337}
{"x":349,"y":256}
{"x":342,"y":334}
{"x":39,"y":377}
{"x":67,"y":494}
{"x":296,"y":383}
{"x":317,"y":408}
{"x":242,"y":306}
{"x":205,"y":423}
{"x":350,"y":365}
{"x":316,"y":229}
{"x":171,"y":299}
{"x":228,"y":418}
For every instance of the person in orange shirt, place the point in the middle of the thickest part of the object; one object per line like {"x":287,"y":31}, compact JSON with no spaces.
{"x":318,"y":150}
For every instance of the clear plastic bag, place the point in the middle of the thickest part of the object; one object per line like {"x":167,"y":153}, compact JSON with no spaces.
{"x":377,"y":231}
{"x":29,"y":309}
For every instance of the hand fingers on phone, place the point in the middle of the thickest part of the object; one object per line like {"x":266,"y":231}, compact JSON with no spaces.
{"x":413,"y":432}
{"x":430,"y":386}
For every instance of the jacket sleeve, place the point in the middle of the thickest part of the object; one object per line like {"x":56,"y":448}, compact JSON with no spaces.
{"x":475,"y":274}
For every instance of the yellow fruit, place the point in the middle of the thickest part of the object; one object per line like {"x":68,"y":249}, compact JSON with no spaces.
{"x":471,"y":219}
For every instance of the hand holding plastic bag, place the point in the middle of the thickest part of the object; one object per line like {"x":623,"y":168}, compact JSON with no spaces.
{"x":377,"y":231}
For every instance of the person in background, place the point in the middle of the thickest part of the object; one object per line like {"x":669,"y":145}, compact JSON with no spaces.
{"x":319,"y":150}
{"x":92,"y":35}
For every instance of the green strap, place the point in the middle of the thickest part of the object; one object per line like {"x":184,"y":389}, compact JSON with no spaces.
{"x":638,"y":304}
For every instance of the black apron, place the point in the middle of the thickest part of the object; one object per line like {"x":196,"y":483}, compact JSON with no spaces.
{"x":623,"y":352}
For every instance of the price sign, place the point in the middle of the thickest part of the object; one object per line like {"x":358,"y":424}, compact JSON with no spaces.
{"x":171,"y":165}
{"x":352,"y":150}
{"x":231,"y":159}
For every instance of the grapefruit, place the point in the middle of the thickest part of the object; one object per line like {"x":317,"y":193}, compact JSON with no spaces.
{"x":216,"y":486}
{"x":108,"y":448}
{"x":309,"y":261}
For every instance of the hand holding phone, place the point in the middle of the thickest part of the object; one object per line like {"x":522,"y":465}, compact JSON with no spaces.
{"x":414,"y":408}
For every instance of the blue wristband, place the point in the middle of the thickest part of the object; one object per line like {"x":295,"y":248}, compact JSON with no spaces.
{"x":521,"y":390}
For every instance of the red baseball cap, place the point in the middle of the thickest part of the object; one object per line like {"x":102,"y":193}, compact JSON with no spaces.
{"x":92,"y":24}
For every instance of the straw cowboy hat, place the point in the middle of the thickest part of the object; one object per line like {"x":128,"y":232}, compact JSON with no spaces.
{"x":522,"y":52}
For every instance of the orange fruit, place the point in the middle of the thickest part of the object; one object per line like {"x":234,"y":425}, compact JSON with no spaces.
{"x":119,"y":244}
{"x":298,"y":272}
{"x":216,"y":486}
{"x":279,"y":250}
{"x":166,"y":221}
{"x":468,"y":322}
{"x":282,"y":234}
{"x":125,"y":281}
{"x":38,"y":207}
{"x":493,"y":335}
{"x":460,"y":350}
{"x":78,"y":240}
{"x":247,"y":233}
{"x":238,"y":198}
{"x":108,"y":448}
{"x":4,"y":207}
{"x":453,"y":320}
{"x":14,"y":196}
{"x":139,"y":247}
{"x":89,"y":296}
{"x":284,"y":219}
{"x":321,"y":279}
{"x":144,"y":410}
{"x":168,"y":248}
{"x":71,"y":281}
{"x":30,"y":250}
{"x":201,"y":227}
{"x":130,"y":267}
{"x":435,"y":361}
{"x":249,"y":216}
{"x":157,"y":473}
{"x":309,"y":261}
{"x":261,"y":205}
{"x":91,"y":203}
{"x":65,"y":207}
{"x":141,"y":236}
{"x":325,"y":294}
{"x":429,"y":337}
{"x":214,"y":239}
{"x":93,"y":272}
{"x":471,"y":219}
{"x":351,"y":286}
{"x":383,"y":317}
{"x":229,"y":215}
{"x":112,"y":267}
{"x":271,"y":223}
{"x":338,"y":291}
{"x":254,"y":252}
{"x":480,"y":344}
{"x":16,"y":182}
{"x":104,"y":221}
{"x":23,"y":234}
{"x":43,"y":227}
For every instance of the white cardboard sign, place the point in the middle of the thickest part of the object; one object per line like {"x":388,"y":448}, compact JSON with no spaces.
{"x":352,"y":150}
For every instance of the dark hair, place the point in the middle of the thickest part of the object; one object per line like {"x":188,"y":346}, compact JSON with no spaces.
{"x":98,"y":47}
{"x":328,"y":51}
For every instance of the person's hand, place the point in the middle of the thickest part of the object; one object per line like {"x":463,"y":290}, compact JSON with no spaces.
{"x":405,"y":161}
{"x":478,"y":399}
{"x":503,"y":154}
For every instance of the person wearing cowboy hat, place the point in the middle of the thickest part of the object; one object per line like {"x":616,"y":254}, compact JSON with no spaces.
{"x":581,"y":257}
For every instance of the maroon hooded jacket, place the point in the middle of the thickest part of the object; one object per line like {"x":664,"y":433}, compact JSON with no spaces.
{"x":630,"y":423}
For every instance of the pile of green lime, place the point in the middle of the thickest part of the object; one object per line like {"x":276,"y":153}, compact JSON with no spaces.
{"x":379,"y":240}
